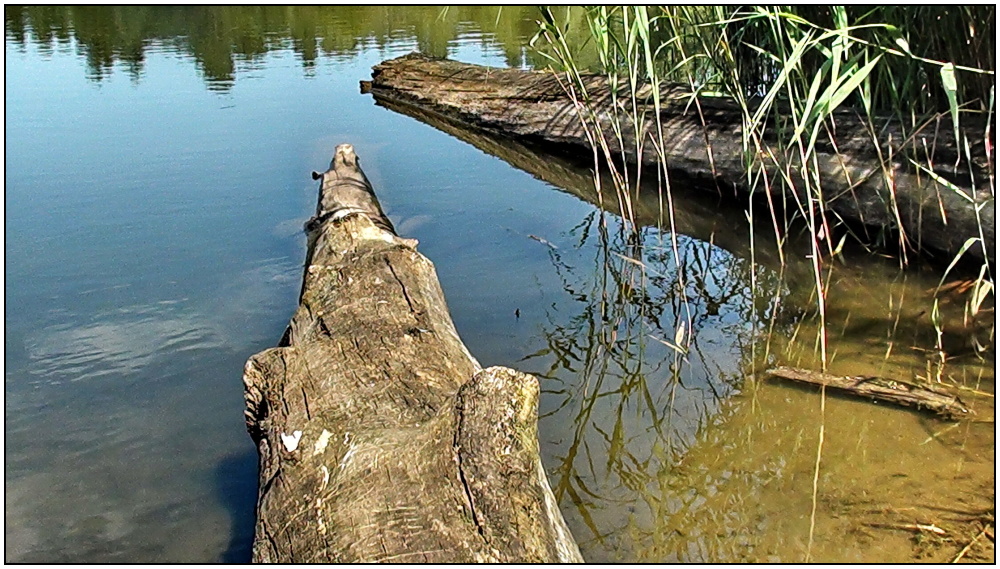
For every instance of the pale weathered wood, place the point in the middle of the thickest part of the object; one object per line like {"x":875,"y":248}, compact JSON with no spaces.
{"x":533,"y":106}
{"x":706,"y":217}
{"x":380,"y":437}
{"x":879,"y":389}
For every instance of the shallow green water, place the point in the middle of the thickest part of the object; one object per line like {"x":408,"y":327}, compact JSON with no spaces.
{"x":157,"y":180}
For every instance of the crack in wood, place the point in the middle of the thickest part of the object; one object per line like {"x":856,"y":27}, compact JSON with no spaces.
{"x":323,"y":327}
{"x":270,"y":539}
{"x":465,"y":483}
{"x":305,"y":402}
{"x":402,"y":286}
{"x":267,"y":486}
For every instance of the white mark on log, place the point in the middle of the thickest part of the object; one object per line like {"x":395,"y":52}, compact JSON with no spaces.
{"x":319,"y":515}
{"x":321,"y":442}
{"x":326,"y":476}
{"x":348,"y":455}
{"x":346,"y":211}
{"x":371,"y":232}
{"x":291,"y":442}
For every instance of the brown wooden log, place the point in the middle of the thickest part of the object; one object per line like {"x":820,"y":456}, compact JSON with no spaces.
{"x":705,"y":217}
{"x":534,"y":106}
{"x":879,"y":389}
{"x":380,"y":437}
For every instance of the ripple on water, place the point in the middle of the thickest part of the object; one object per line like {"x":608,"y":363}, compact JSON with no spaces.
{"x":118,"y":344}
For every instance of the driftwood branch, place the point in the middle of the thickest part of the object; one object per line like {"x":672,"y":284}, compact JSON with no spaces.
{"x":877,"y":186}
{"x":380,"y":437}
{"x":879,"y":389}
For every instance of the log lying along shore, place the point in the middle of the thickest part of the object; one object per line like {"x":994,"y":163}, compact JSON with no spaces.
{"x":706,"y":217}
{"x":533,"y":106}
{"x":699,"y":215}
{"x":380,"y":437}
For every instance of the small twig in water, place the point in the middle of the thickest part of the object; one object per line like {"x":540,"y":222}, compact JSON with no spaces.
{"x":909,"y":527}
{"x":939,"y":433}
{"x":966,"y":549}
{"x":543,"y":241}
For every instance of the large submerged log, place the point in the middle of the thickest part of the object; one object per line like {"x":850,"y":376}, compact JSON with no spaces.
{"x":380,"y":437}
{"x":937,"y":214}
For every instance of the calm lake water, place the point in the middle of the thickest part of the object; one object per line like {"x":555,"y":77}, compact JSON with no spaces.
{"x":157,"y":180}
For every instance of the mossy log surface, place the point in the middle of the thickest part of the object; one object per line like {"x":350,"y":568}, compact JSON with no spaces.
{"x":380,"y":437}
{"x":868,"y":186}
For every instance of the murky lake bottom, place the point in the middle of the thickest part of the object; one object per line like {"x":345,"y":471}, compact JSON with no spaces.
{"x":157,"y":180}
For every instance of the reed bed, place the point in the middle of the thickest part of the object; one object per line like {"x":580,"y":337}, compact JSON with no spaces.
{"x":788,"y":68}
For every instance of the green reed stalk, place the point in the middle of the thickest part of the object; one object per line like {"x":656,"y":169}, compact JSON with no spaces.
{"x":789,"y":68}
{"x":621,"y":38}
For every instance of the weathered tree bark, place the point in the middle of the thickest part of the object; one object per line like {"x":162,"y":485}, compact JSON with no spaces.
{"x":879,"y":389}
{"x":706,"y":217}
{"x":534,"y":106}
{"x":380,"y":437}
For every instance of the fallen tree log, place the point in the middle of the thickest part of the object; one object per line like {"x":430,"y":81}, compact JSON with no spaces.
{"x":380,"y":437}
{"x":879,"y":389}
{"x":699,"y":215}
{"x":713,"y":219}
{"x":938,"y":213}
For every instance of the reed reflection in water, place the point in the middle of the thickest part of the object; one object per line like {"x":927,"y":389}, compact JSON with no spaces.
{"x":664,"y":448}
{"x":650,"y":411}
{"x":624,"y":392}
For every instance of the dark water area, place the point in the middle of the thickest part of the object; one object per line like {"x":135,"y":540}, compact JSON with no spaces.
{"x":156,"y":184}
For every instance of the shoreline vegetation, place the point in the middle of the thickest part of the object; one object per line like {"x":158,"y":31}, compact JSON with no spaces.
{"x":705,"y":151}
{"x":790,"y":70}
{"x":536,"y":108}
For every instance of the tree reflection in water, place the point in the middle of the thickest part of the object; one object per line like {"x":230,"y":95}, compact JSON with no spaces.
{"x":225,"y":39}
